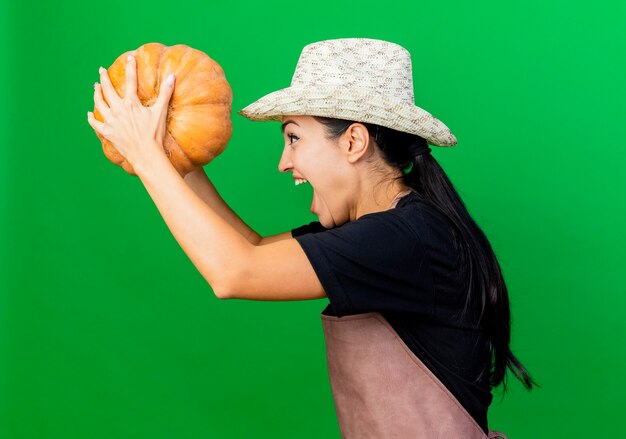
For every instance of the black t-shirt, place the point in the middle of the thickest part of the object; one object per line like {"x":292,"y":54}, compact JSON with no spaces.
{"x":402,"y":263}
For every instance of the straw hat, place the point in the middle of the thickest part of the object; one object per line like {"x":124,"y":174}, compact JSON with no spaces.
{"x":358,"y":79}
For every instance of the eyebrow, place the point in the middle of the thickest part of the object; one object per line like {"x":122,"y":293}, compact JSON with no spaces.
{"x":282,"y":128}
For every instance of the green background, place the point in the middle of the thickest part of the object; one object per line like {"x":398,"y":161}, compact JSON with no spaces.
{"x":107,"y":330}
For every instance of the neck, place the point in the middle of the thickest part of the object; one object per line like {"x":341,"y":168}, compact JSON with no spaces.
{"x":381,"y":197}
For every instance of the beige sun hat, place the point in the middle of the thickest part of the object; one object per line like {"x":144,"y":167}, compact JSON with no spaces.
{"x":358,"y":79}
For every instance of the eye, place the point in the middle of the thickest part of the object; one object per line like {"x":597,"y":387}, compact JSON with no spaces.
{"x":291,"y":136}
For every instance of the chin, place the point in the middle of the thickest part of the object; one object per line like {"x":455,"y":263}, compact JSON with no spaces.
{"x":328,"y":222}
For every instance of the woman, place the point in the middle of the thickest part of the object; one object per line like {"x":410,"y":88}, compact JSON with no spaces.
{"x":417,"y":328}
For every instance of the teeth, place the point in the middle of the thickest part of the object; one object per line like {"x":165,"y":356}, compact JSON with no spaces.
{"x":300,"y":181}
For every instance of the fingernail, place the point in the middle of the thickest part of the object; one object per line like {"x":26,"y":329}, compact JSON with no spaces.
{"x":101,"y":69}
{"x":129,"y":57}
{"x":95,"y":85}
{"x":170,"y":79}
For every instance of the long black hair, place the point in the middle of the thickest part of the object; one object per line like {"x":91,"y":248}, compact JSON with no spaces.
{"x":486,"y":294}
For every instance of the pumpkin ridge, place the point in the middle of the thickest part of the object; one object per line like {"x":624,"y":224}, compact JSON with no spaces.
{"x":184,"y":51}
{"x":157,"y":82}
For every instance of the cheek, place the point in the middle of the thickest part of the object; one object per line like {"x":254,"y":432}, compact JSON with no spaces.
{"x":325,"y":172}
{"x":334,"y":176}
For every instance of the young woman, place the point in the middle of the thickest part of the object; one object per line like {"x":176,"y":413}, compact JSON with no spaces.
{"x":417,"y":327}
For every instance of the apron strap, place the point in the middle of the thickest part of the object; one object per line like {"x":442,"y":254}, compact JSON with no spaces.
{"x":497,"y":434}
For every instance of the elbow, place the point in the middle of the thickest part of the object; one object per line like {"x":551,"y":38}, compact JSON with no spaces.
{"x":232,"y":278}
{"x":222,"y":292}
{"x":225,"y":288}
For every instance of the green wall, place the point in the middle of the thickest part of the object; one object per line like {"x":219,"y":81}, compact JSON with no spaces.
{"x":107,"y":330}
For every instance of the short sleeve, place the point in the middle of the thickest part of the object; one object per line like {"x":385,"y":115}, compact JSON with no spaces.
{"x":312,"y":227}
{"x":375,"y":263}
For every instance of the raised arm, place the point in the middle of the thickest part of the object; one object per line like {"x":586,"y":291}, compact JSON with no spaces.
{"x":221,"y":246}
{"x":234,"y":266}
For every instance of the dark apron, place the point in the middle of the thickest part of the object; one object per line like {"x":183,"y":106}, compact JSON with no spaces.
{"x":382,"y":390}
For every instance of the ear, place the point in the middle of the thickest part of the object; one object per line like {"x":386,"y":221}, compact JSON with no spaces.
{"x":357,"y":141}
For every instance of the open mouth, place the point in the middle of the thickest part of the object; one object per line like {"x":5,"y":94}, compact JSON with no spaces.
{"x":299,"y":181}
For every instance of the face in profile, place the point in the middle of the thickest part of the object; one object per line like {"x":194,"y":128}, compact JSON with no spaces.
{"x":323,"y":163}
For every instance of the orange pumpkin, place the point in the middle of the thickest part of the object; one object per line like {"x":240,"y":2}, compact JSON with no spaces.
{"x":198,"y":118}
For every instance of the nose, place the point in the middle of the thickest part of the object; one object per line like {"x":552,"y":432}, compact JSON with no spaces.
{"x":285,"y":161}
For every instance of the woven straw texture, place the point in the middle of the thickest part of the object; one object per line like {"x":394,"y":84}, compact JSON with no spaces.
{"x":358,"y":79}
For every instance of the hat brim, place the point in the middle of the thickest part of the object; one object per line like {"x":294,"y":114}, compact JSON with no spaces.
{"x":350,"y":104}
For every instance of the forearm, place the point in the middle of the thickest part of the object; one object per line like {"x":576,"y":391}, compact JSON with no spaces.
{"x":200,"y":183}
{"x":213,"y":245}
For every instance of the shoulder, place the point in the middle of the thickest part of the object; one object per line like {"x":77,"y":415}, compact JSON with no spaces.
{"x":373,"y":229}
{"x":383,"y":243}
{"x":376,"y":262}
{"x":412,"y":219}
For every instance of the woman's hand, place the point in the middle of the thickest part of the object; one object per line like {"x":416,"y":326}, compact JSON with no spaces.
{"x":136,"y":131}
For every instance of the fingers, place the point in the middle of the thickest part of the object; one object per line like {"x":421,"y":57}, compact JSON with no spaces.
{"x":95,"y":123}
{"x":166,"y":91}
{"x":131,"y":78}
{"x":161,"y":104}
{"x":100,"y":105}
{"x":107,"y":88}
